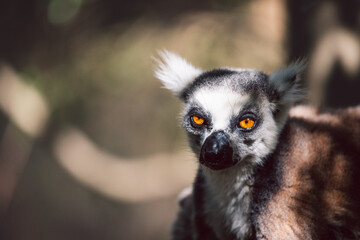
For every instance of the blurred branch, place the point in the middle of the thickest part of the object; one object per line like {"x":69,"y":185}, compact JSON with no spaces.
{"x":24,"y":105}
{"x":27,"y":112}
{"x":336,"y":46}
{"x":328,"y":33}
{"x":133,"y":180}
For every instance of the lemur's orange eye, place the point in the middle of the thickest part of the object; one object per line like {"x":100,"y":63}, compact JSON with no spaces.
{"x":198,"y":120}
{"x":247,"y":123}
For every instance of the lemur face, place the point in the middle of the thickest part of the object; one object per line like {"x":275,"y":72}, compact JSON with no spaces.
{"x":230,"y":115}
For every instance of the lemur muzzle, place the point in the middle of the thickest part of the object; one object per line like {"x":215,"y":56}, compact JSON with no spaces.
{"x":216,"y":152}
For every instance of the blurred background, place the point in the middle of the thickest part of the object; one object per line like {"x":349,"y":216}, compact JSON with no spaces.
{"x":90,"y":144}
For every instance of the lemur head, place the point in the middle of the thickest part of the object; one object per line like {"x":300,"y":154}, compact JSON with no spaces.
{"x":230,"y":115}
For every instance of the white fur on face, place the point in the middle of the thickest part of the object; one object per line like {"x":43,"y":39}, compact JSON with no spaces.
{"x":175,"y":72}
{"x":222,"y":104}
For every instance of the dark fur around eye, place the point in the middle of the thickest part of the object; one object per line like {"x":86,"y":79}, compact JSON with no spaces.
{"x":194,"y":124}
{"x":245,"y":117}
{"x":200,"y":114}
{"x":235,"y":122}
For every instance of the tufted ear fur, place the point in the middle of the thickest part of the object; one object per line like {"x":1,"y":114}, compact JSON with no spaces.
{"x":287,"y":83}
{"x":175,"y":72}
{"x":286,"y":87}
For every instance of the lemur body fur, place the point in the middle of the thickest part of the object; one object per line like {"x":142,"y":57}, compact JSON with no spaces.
{"x":266,"y":170}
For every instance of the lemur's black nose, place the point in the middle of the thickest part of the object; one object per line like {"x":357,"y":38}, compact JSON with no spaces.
{"x":216,"y":152}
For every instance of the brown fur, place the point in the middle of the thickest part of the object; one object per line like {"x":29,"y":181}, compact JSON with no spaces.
{"x":318,"y":197}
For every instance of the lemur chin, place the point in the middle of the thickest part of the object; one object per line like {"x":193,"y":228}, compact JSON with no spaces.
{"x":266,"y":170}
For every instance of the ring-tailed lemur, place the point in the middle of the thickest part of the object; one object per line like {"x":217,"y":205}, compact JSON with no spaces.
{"x":266,"y":171}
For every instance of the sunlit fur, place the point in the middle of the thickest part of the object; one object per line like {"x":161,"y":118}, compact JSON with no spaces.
{"x":241,"y":201}
{"x":174,"y":71}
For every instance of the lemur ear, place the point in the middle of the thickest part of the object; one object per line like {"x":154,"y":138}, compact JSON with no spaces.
{"x":286,"y":83}
{"x":175,"y":72}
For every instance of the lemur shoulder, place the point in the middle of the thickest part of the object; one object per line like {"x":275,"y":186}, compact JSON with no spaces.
{"x":267,"y":170}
